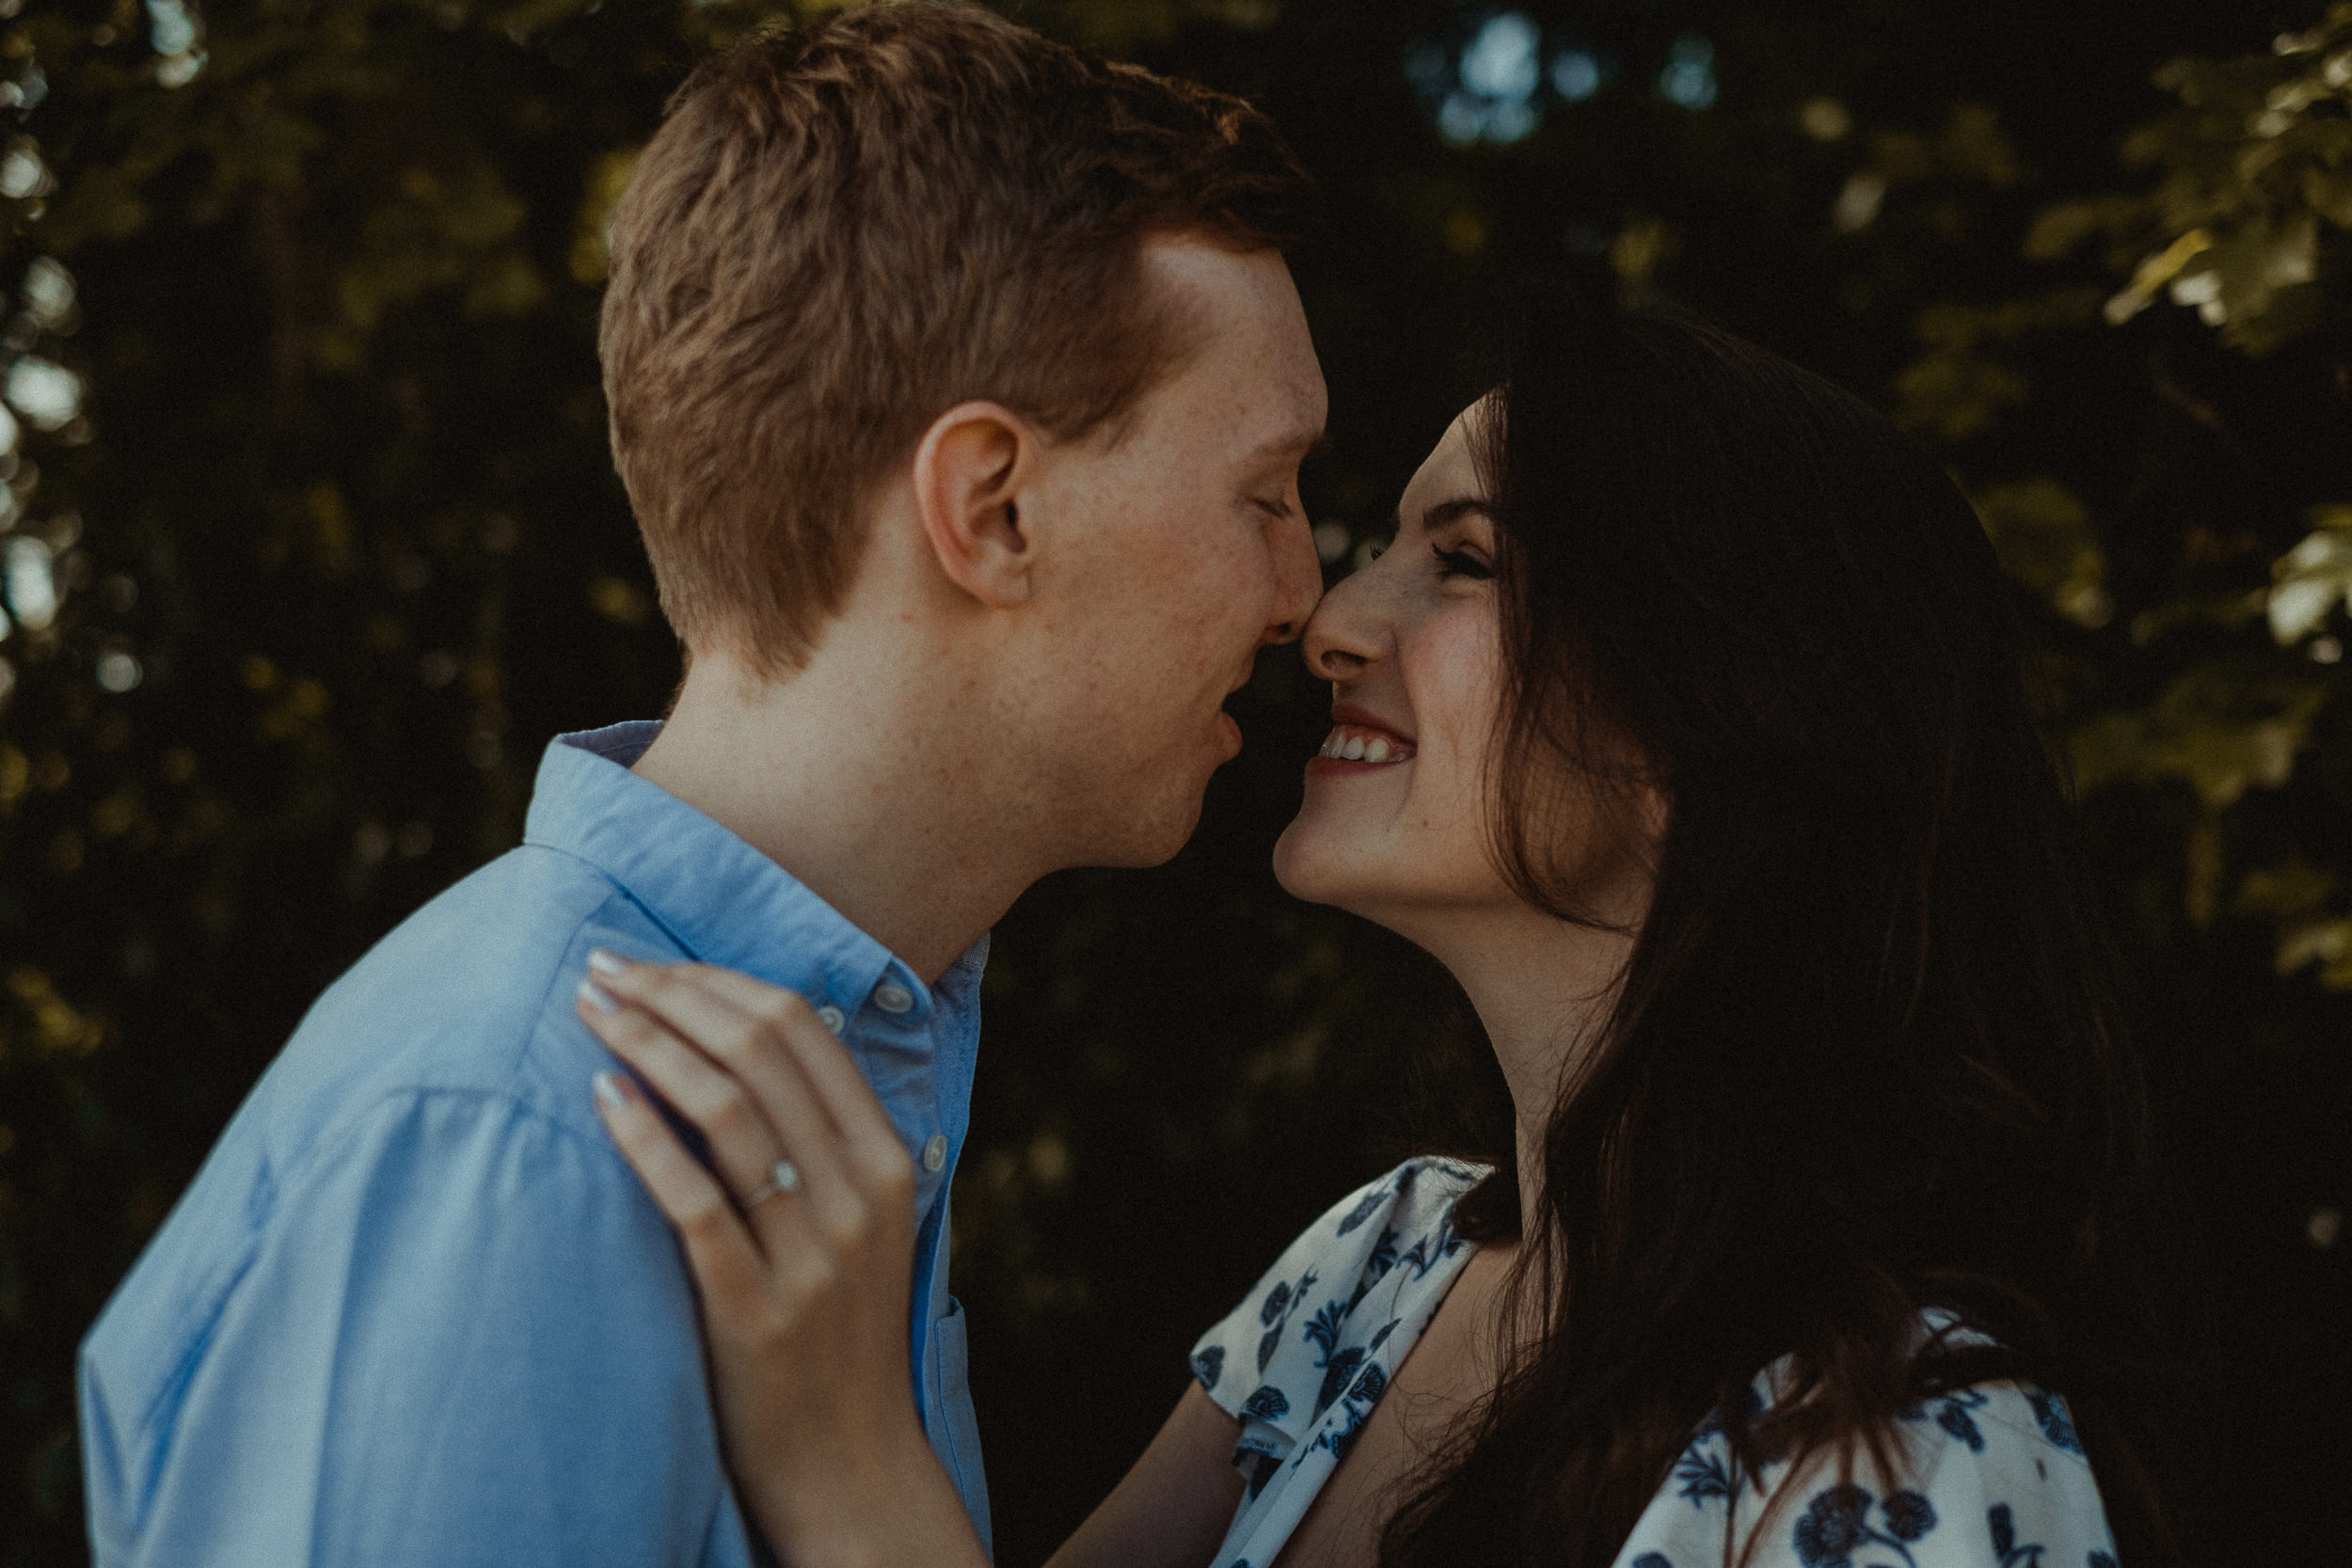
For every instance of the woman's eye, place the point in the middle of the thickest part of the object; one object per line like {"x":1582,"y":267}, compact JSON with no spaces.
{"x":1461,"y":563}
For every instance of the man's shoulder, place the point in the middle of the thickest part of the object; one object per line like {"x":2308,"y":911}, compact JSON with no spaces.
{"x":465,"y":1008}
{"x":441,"y":1066}
{"x":471,"y":994}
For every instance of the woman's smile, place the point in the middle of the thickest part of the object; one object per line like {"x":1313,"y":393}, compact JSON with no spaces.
{"x":1359,"y":742}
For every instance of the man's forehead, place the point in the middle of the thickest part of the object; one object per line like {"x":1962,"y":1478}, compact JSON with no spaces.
{"x":1252,"y":359}
{"x":1244,"y":300}
{"x":1292,"y":429}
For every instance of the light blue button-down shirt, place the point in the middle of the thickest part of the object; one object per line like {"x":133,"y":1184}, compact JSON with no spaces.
{"x":416,"y":1308}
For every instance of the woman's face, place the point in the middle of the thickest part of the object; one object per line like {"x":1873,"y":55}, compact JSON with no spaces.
{"x":1394,"y":825}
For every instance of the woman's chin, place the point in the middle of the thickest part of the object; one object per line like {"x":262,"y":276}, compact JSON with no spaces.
{"x":1296,"y":865}
{"x":1312,"y":866}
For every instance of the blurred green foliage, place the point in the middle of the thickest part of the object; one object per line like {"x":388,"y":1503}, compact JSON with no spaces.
{"x":309,"y":540}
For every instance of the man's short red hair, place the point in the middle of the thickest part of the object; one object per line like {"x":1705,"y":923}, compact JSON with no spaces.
{"x":842,"y":231}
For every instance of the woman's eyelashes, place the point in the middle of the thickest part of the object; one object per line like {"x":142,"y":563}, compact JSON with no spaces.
{"x":1460,"y":563}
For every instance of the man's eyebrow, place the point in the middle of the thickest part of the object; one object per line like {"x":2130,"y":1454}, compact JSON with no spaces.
{"x":1305,"y":444}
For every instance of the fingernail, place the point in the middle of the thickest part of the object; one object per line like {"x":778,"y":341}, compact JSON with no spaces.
{"x":597,"y":997}
{"x":609,"y":1089}
{"x":605,"y":961}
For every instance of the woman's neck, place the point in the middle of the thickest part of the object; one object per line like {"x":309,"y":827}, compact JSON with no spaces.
{"x":1544,"y":989}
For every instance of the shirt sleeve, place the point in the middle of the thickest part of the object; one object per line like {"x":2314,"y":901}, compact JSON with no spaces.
{"x":466,"y":1336}
{"x":1996,"y":1479}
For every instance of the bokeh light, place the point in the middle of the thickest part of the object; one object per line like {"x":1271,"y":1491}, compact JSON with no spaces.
{"x":1487,"y":91}
{"x":45,"y":393}
{"x":32,"y":583}
{"x":1577,"y":74}
{"x":117,"y":670}
{"x":1688,"y":78}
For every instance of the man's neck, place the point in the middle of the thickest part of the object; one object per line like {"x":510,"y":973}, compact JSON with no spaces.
{"x":843,"y":778}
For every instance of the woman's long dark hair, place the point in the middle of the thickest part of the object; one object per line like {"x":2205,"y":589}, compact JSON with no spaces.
{"x":1866,"y":1059}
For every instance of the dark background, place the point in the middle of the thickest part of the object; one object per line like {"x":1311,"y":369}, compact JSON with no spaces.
{"x":319,"y":544}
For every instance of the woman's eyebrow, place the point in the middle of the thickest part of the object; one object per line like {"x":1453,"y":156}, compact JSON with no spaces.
{"x":1447,"y":513}
{"x":1442,"y":515}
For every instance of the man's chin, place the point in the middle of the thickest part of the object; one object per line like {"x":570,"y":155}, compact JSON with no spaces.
{"x":1147,"y":837}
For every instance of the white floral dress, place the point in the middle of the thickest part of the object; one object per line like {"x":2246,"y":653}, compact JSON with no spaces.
{"x":1996,"y":1476}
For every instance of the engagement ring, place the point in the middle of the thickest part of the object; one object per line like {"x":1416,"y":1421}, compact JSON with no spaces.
{"x":783,"y":1176}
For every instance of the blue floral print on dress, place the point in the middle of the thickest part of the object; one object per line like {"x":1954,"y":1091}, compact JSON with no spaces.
{"x":1836,"y":1526}
{"x":1702,"y":1474}
{"x":1996,"y":1443}
{"x":1281,"y":1302}
{"x":1372,"y":1204}
{"x":1341,"y":1367}
{"x":2011,"y":1552}
{"x":1376,"y":1267}
{"x":1361,"y":1396}
{"x":2049,"y":1412}
{"x":1952,"y":1412}
{"x":1268,"y":1403}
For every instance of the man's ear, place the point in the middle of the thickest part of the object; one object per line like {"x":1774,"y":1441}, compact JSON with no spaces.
{"x":970,"y":469}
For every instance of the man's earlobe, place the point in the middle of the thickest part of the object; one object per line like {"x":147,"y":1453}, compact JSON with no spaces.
{"x":970,"y":469}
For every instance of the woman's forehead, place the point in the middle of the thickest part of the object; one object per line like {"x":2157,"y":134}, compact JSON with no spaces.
{"x":1450,"y":470}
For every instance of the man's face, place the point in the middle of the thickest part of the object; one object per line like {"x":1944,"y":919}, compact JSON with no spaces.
{"x":1177,"y":552}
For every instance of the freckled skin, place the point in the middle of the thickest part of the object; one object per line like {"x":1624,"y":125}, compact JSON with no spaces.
{"x":1192,"y":552}
{"x":1035,"y":653}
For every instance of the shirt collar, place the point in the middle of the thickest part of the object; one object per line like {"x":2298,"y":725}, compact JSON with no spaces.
{"x":723,"y":901}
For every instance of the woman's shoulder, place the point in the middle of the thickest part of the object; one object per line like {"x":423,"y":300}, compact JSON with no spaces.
{"x":1991,"y":1476}
{"x":1392,"y":1234}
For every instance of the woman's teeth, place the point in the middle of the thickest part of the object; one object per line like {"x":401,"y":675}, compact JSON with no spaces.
{"x":1348,"y":743}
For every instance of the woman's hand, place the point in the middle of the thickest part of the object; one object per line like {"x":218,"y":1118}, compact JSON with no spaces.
{"x":802,"y":1247}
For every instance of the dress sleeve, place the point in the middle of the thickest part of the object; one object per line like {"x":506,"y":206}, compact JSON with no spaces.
{"x":1995,"y":1479}
{"x":465,"y":1338}
{"x":1267,"y":1363}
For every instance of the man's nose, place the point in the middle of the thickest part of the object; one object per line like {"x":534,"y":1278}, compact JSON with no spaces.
{"x":1298,"y":578}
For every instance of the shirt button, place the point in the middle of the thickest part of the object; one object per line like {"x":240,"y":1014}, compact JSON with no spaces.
{"x":892,"y":997}
{"x":936,"y":1152}
{"x":831,"y":1016}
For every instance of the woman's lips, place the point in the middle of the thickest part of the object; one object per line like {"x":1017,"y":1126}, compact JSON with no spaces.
{"x":1364,"y":743}
{"x":1359,"y":749}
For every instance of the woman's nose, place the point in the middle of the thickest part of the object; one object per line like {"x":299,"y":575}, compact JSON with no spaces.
{"x":1342,"y":637}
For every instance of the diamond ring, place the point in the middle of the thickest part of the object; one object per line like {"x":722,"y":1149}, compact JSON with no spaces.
{"x":783,"y":1176}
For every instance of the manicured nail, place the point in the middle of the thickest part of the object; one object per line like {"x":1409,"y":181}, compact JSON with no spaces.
{"x":609,"y":1089}
{"x":605,"y":961}
{"x":597,"y":997}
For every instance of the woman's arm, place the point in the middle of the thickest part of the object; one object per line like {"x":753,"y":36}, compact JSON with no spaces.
{"x":1171,"y":1510}
{"x":804,"y":1289}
